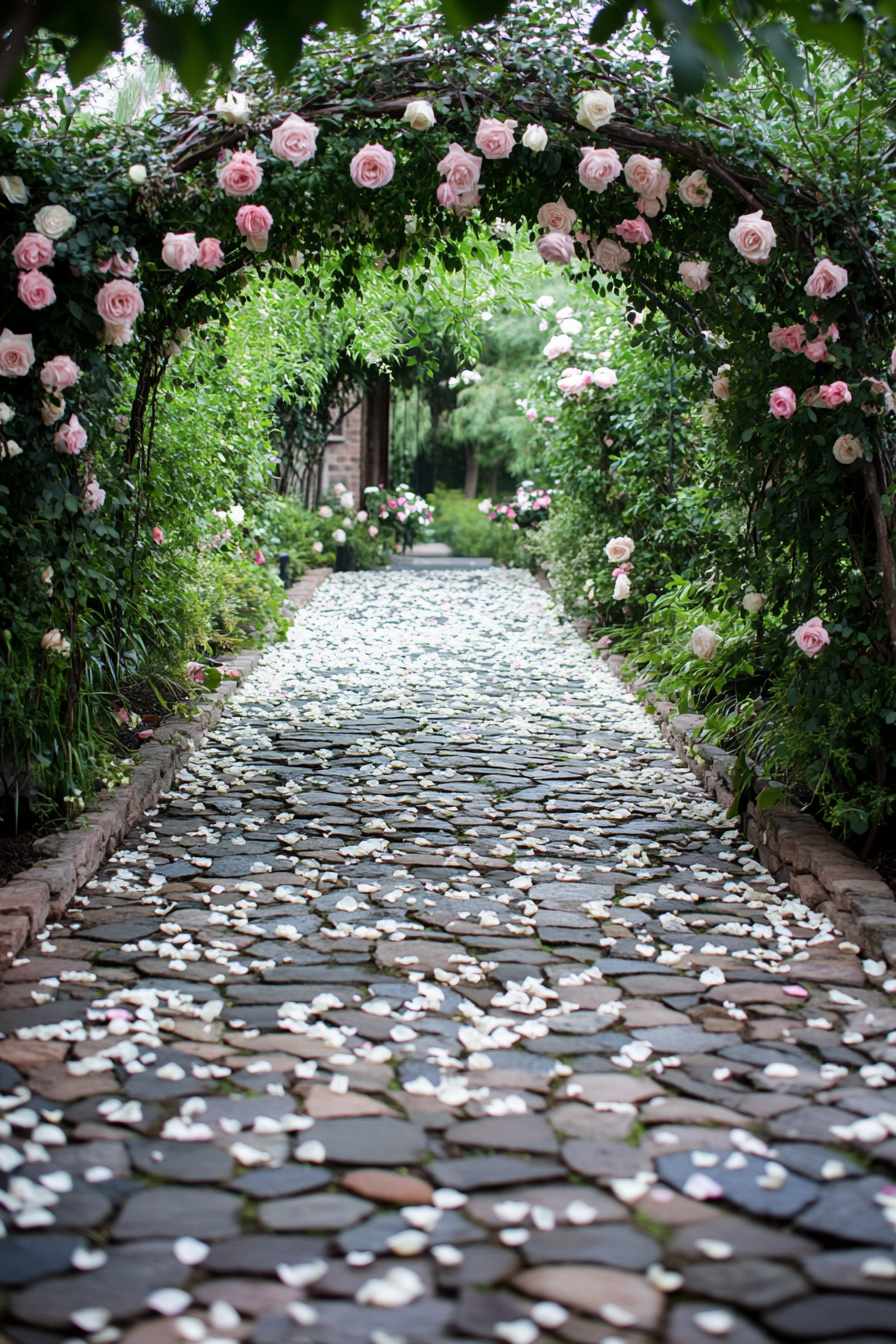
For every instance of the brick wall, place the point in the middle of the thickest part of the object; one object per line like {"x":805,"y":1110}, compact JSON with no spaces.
{"x":342,"y":459}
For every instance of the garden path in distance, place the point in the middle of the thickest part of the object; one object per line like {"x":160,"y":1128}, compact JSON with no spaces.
{"x":437,"y":1001}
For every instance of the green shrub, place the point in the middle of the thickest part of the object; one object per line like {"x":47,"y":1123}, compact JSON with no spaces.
{"x":458,"y":522}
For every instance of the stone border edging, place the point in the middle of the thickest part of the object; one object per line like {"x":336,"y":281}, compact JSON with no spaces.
{"x":796,"y":848}
{"x":70,"y":858}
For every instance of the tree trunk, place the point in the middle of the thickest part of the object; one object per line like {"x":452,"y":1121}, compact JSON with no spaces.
{"x":471,"y":479}
{"x":493,"y":483}
{"x":884,"y":546}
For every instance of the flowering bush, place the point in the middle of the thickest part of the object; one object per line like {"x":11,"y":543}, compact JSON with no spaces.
{"x":400,"y":514}
{"x":529,"y":507}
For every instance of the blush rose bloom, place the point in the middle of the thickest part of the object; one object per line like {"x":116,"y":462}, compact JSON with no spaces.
{"x":535,"y":137}
{"x":816,"y":351}
{"x":16,"y":354}
{"x":241,"y":174}
{"x":598,"y":168}
{"x":210,"y":254}
{"x":460,"y":169}
{"x":14,"y":189}
{"x":596,"y":107}
{"x":120,"y":263}
{"x":495,"y":138}
{"x":643,"y":175}
{"x":295,"y":140}
{"x":36,"y":289}
{"x":557,"y":345}
{"x":446,"y":195}
{"x":373,"y":167}
{"x":754,"y":602}
{"x":556,"y":217}
{"x":254,"y":223}
{"x":60,"y":372}
{"x":721,"y":384}
{"x":634,"y":231}
{"x":791,"y":338}
{"x":234,"y":109}
{"x":119,"y":301}
{"x":71,"y":437}
{"x":782,"y":403}
{"x":811,"y":637}
{"x":32,"y":251}
{"x":53,"y":221}
{"x":694,"y":274}
{"x":835,"y":394}
{"x":619,"y":549}
{"x":93,"y":497}
{"x":694,"y":189}
{"x":179,"y":250}
{"x":848,"y":449}
{"x":158,"y":536}
{"x":603,"y":377}
{"x":754,"y":237}
{"x":610,"y":255}
{"x":555,"y":247}
{"x":826,"y":280}
{"x":622,"y":588}
{"x":572,"y":382}
{"x":704,"y":642}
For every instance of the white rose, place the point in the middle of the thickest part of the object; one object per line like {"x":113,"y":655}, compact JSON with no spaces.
{"x":14,"y":190}
{"x":721,"y":387}
{"x":237,"y":514}
{"x":138,"y":174}
{"x":234,"y":109}
{"x":704,"y":642}
{"x":619,"y":549}
{"x":317,"y":546}
{"x":535,"y":137}
{"x":362,"y":515}
{"x":53,"y":221}
{"x":694,"y":189}
{"x":596,"y":108}
{"x":12,"y":448}
{"x":6,"y":413}
{"x":623,"y":588}
{"x":847,"y":449}
{"x":339,"y":536}
{"x":754,"y":601}
{"x":570,"y":326}
{"x":419,"y":115}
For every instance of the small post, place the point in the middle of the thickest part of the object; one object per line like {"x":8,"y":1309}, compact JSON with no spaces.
{"x":283,"y":562}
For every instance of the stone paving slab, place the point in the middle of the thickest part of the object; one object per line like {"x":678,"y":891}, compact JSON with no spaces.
{"x":435,"y":1001}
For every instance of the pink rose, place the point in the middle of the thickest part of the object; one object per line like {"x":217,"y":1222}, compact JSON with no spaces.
{"x":643,"y":175}
{"x":832,"y":333}
{"x":694,"y":274}
{"x":158,"y":536}
{"x":753,"y":237}
{"x":556,"y":247}
{"x":254,"y":220}
{"x":619,"y":549}
{"x":210,"y":255}
{"x":16,"y":354}
{"x":93,"y":497}
{"x":557,"y":217}
{"x":610,"y":255}
{"x":811,"y":398}
{"x":495,"y":138}
{"x":446,"y":195}
{"x":826,"y":280}
{"x":241,"y":174}
{"x":532,"y":414}
{"x":466,"y":203}
{"x":32,"y":251}
{"x":294,"y":140}
{"x":71,"y":437}
{"x":60,"y":372}
{"x":694,"y":189}
{"x":119,"y":303}
{"x":602,"y":377}
{"x":36,"y":289}
{"x":179,"y":250}
{"x":634,"y":231}
{"x":572,"y":382}
{"x":258,"y":557}
{"x":648,"y":206}
{"x":782,"y":403}
{"x":120,"y":263}
{"x":787,"y":338}
{"x":460,"y":169}
{"x":557,"y":345}
{"x":599,"y":167}
{"x":835,"y":394}
{"x":817,"y":351}
{"x":372,"y":167}
{"x":848,"y":449}
{"x":811,"y":637}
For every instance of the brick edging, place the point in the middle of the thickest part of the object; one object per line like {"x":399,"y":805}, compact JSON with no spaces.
{"x":70,"y":858}
{"x":796,"y":848}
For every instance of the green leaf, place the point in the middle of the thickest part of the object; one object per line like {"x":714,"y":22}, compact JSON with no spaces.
{"x":771,"y":796}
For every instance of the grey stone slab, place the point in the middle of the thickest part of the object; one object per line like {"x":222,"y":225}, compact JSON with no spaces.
{"x":127,"y":931}
{"x":834,"y":1316}
{"x":602,"y":1158}
{"x":121,"y":1286}
{"x":281,"y":1182}
{"x":379,"y":1142}
{"x":846,"y":1211}
{"x":313,"y":1213}
{"x":618,"y":1245}
{"x":808,"y":1159}
{"x":452,"y":1229}
{"x":423,"y":1322}
{"x":27,"y":1256}
{"x":755,"y":1284}
{"x":166,"y":1211}
{"x":84,"y":1207}
{"x":189,"y":1163}
{"x":741,"y":1185}
{"x":686,"y":1040}
{"x":810,"y":1124}
{"x":487,"y":1265}
{"x":261,"y":1253}
{"x":683,"y":1327}
{"x":745,"y":1237}
{"x":520,"y":1133}
{"x":478,"y":1173}
{"x":842,"y":1271}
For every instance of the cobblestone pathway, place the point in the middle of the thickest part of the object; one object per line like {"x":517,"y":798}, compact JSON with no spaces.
{"x":437,"y":1001}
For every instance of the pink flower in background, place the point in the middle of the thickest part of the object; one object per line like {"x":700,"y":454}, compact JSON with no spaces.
{"x":811,"y":637}
{"x":826,"y":280}
{"x":32,"y":251}
{"x":835,"y":394}
{"x":598,"y":168}
{"x":446,"y":195}
{"x":93,"y":497}
{"x":16,"y":354}
{"x":754,"y":237}
{"x":788,"y":338}
{"x":241,"y":174}
{"x":254,"y":223}
{"x":258,"y":557}
{"x":36,"y":289}
{"x":119,"y":302}
{"x":179,"y":250}
{"x":318,"y":545}
{"x":373,"y":530}
{"x":294,"y":140}
{"x":782,"y":403}
{"x":619,"y":549}
{"x":210,"y":255}
{"x":557,"y":217}
{"x":233,"y":673}
{"x":71,"y":437}
{"x":603,"y":377}
{"x":196,"y":672}
{"x":694,"y":274}
{"x":634,"y":231}
{"x":122,"y":714}
{"x":610,"y":255}
{"x":556,"y":247}
{"x":532,"y":414}
{"x":373,"y":167}
{"x":120,"y":263}
{"x":622,"y":569}
{"x":816,"y":351}
{"x":557,"y":345}
{"x":573,"y":382}
{"x":460,"y":169}
{"x":495,"y":138}
{"x":158,"y":536}
{"x":511,"y":513}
